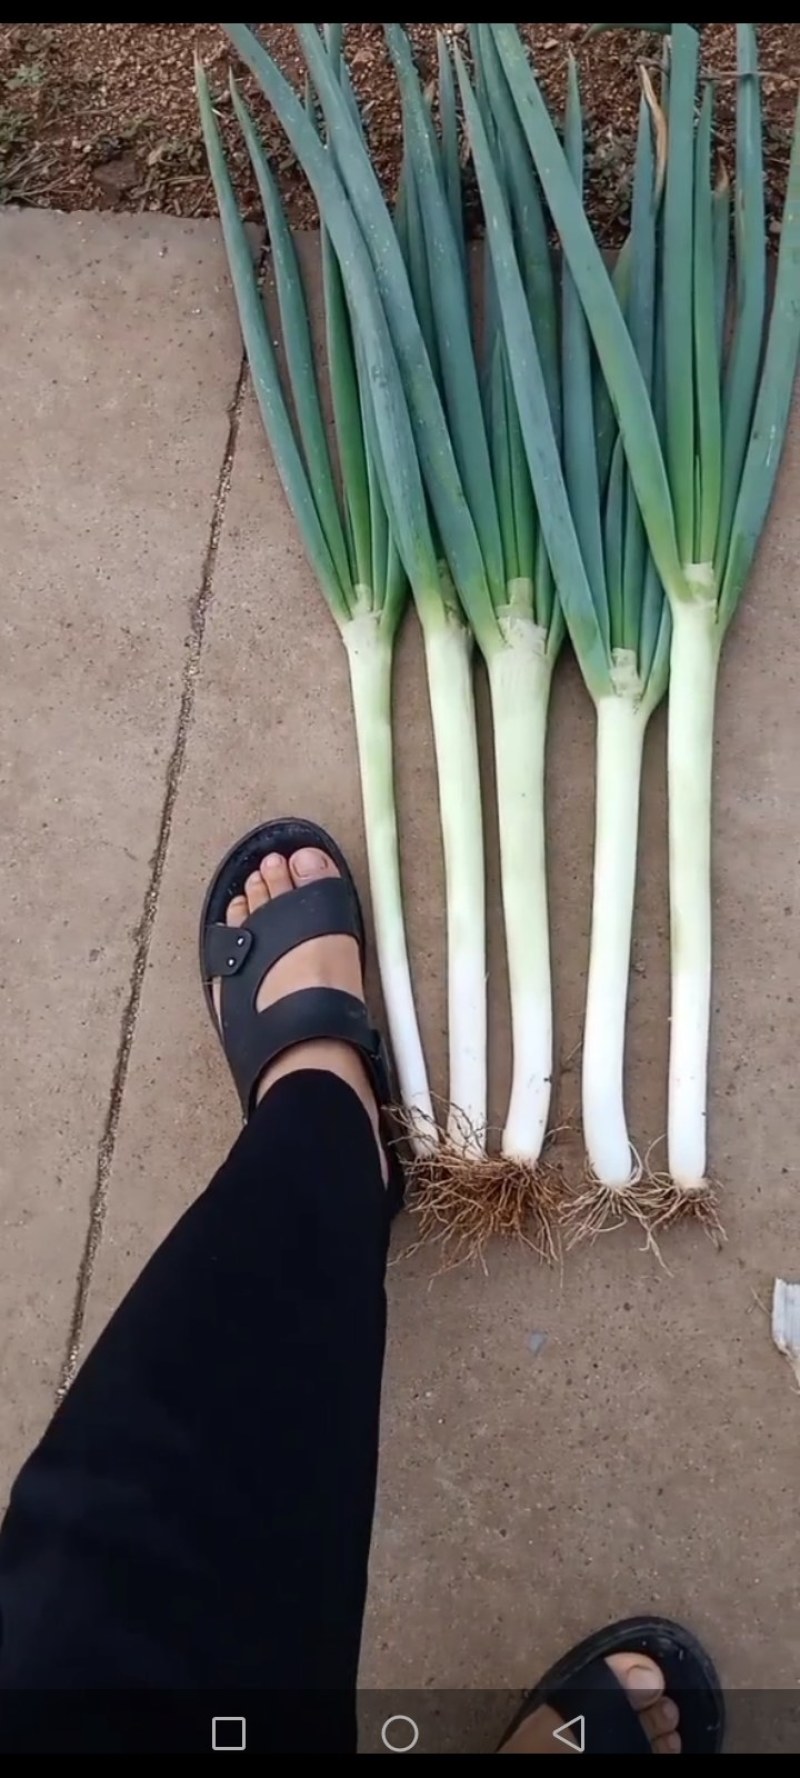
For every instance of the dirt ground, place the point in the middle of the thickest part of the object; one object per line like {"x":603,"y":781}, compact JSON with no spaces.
{"x":99,"y":117}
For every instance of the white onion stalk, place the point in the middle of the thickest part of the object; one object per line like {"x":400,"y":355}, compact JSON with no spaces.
{"x":370,"y":661}
{"x":702,"y":463}
{"x":621,"y":724}
{"x":690,"y":744}
{"x":448,"y":657}
{"x":520,"y":677}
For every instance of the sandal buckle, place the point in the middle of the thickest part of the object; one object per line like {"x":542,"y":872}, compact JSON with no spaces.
{"x":227,"y":949}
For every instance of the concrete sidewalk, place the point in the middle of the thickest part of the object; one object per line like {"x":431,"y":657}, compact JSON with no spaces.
{"x":170,"y":673}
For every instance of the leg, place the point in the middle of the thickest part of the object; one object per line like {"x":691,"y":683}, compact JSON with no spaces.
{"x":199,"y":1512}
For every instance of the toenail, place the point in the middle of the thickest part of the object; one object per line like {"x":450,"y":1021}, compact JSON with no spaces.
{"x":641,"y":1679}
{"x":307,"y":863}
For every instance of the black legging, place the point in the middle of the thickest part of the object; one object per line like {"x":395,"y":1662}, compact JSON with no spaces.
{"x":197,"y":1517}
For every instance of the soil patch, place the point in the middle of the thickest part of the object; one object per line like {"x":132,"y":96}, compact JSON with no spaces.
{"x":99,"y":117}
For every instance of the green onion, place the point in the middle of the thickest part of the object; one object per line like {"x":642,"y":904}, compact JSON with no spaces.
{"x":631,"y":606}
{"x":407,"y":432}
{"x":487,"y":440}
{"x":485,"y":530}
{"x":703,"y":517}
{"x":608,"y":587}
{"x":346,"y":536}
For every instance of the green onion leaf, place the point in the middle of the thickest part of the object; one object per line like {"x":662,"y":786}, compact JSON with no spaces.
{"x":297,"y":343}
{"x":774,"y":402}
{"x":678,"y":262}
{"x":264,"y":365}
{"x":402,"y":485}
{"x":580,"y":456}
{"x":722,"y":251}
{"x":533,"y":406}
{"x":450,"y":303}
{"x":451,"y":157}
{"x":751,"y":284}
{"x":611,"y":337}
{"x":706,"y":351}
{"x":514,"y":169}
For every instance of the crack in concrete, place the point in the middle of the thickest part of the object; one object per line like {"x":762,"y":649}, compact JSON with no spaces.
{"x":144,"y":929}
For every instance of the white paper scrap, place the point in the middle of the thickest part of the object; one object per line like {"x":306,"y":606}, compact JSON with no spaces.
{"x":786,"y":1322}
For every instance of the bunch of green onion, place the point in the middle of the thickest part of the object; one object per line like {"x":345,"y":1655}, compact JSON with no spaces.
{"x":605,"y":464}
{"x":521,"y":637}
{"x":609,"y":589}
{"x":702,"y":466}
{"x":452,"y":475}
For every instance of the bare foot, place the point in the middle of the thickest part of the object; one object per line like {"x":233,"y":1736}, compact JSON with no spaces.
{"x":644,"y":1684}
{"x":320,"y":963}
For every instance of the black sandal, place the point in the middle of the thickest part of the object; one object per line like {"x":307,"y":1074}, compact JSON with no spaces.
{"x":241,"y":956}
{"x":590,"y":1700}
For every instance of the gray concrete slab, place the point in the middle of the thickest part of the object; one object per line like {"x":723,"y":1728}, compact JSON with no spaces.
{"x":118,"y":359}
{"x":645,"y":1458}
{"x":272,"y":729}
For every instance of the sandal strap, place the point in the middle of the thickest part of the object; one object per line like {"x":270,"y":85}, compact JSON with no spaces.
{"x":320,"y":909}
{"x":611,"y":1723}
{"x":302,"y":1017}
{"x":243,"y":955}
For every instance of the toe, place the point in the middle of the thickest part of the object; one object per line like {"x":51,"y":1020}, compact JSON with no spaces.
{"x":660,"y":1719}
{"x":256,"y":891}
{"x":309,"y":863}
{"x":644,"y":1685}
{"x":237,"y":911}
{"x":275,"y":875}
{"x":642,"y":1679}
{"x":235,"y":915}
